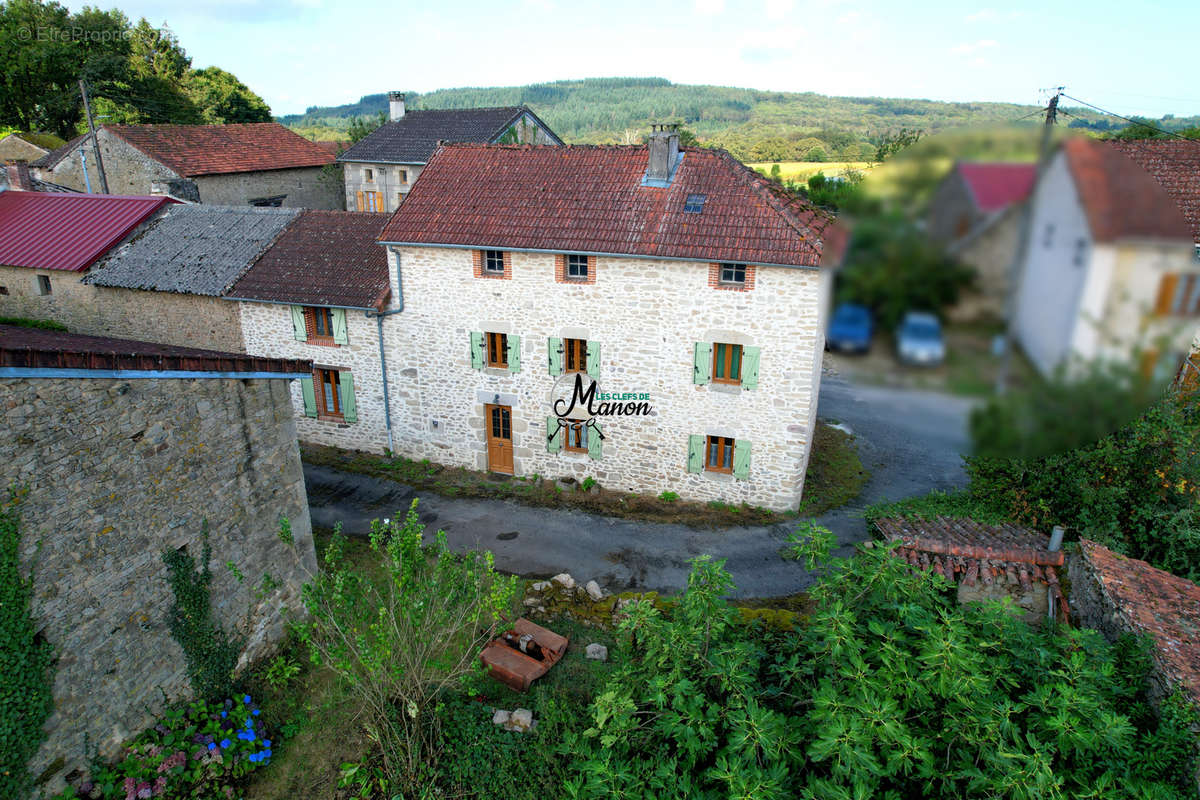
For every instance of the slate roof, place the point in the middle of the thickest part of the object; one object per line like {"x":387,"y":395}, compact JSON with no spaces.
{"x":324,"y":258}
{"x":413,"y":138}
{"x":48,"y":230}
{"x":591,"y":200}
{"x":195,"y":150}
{"x":193,"y":249}
{"x":30,"y":348}
{"x":997,"y":186}
{"x":1120,"y":199}
{"x":1175,"y":164}
{"x":1151,"y":601}
{"x":970,"y":552}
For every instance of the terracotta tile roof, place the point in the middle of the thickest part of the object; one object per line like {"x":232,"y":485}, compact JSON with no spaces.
{"x":591,"y":200}
{"x":1175,"y":164}
{"x":324,"y":258}
{"x":1121,"y":200}
{"x":965,"y":551}
{"x":34,"y":348}
{"x":997,"y":186}
{"x":56,"y":155}
{"x":1165,"y":606}
{"x":413,"y":138}
{"x":194,"y":150}
{"x":336,"y":148}
{"x":47,"y":230}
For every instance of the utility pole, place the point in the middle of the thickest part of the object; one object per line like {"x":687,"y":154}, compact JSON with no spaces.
{"x":87,"y":108}
{"x":1023,"y":237}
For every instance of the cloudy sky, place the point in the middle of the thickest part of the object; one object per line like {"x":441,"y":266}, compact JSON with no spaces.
{"x":1130,"y":57}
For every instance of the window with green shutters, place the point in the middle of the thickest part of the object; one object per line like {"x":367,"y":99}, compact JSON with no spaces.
{"x":319,"y":325}
{"x":725,"y":363}
{"x":299,"y":326}
{"x":477,"y":355}
{"x":329,"y":395}
{"x":721,"y":454}
{"x":554,"y":435}
{"x":514,"y":352}
{"x":573,"y":355}
{"x":495,"y":350}
{"x":554,"y":355}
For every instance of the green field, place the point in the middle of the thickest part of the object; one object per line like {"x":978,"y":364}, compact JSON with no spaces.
{"x":803,"y":170}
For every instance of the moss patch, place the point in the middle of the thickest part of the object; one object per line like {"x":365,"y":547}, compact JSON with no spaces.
{"x":835,"y":475}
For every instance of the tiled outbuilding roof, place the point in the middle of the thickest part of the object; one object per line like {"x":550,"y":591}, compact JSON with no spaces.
{"x":965,"y":551}
{"x":413,"y":138}
{"x":193,"y":249}
{"x":1120,"y":198}
{"x":52,"y":158}
{"x":591,"y":200}
{"x":1151,"y":601}
{"x":49,"y":230}
{"x":36,"y":349}
{"x":997,"y":186}
{"x":324,"y":258}
{"x":1175,"y":164}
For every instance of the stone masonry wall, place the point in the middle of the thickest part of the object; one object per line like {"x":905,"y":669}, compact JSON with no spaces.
{"x":183,"y":320}
{"x":128,"y":170}
{"x":646,"y":315}
{"x":117,"y":471}
{"x":391,"y":180}
{"x":268,"y":330}
{"x":306,"y":187}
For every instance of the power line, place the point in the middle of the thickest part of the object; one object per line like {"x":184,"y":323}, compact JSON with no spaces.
{"x":1132,"y":121}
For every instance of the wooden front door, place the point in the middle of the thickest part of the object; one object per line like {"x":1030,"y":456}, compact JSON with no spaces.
{"x":499,"y":438}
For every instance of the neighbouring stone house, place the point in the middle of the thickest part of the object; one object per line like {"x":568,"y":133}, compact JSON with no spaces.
{"x":1109,"y":271}
{"x":257,"y":164}
{"x":381,"y":168}
{"x":1175,"y":164}
{"x":17,"y":178}
{"x":984,"y":562}
{"x":121,"y":450}
{"x":975,"y":215}
{"x":316,"y":294}
{"x":167,"y":281}
{"x":677,"y":279}
{"x":20,"y":146}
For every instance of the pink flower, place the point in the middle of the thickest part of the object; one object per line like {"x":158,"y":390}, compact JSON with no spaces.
{"x":130,"y":789}
{"x":160,"y":786}
{"x":144,"y":791}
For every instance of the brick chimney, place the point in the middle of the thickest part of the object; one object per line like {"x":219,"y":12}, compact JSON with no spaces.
{"x":396,"y":105}
{"x":664,"y":154}
{"x":18,"y":176}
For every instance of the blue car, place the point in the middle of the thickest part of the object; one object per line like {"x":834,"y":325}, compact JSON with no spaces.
{"x":850,"y":329}
{"x":919,"y":339}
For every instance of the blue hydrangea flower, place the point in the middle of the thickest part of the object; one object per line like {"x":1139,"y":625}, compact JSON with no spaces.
{"x":249,"y":723}
{"x":246,"y":699}
{"x":267,"y":743}
{"x":224,"y":713}
{"x":212,"y":746}
{"x":255,"y":712}
{"x":225,"y":743}
{"x":267,"y":752}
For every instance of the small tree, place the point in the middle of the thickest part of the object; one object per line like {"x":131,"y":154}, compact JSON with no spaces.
{"x":403,"y":636}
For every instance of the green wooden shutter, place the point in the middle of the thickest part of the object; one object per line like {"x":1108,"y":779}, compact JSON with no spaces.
{"x":695,"y":461}
{"x":514,"y":353}
{"x":554,"y":350}
{"x":702,"y":364}
{"x":741,"y":459}
{"x":299,"y":329}
{"x":310,"y":397}
{"x":339,"y":326}
{"x":346,"y":390}
{"x":476,"y":350}
{"x":594,"y":442}
{"x":554,"y":435}
{"x":593,"y":361}
{"x":750,"y":367}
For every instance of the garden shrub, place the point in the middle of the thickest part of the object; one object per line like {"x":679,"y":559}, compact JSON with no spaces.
{"x":199,"y":750}
{"x":26,"y":662}
{"x":890,"y":690}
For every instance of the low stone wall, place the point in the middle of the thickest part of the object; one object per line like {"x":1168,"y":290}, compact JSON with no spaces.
{"x":115,"y":472}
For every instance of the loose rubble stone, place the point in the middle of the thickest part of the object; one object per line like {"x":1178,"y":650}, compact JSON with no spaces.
{"x":530,"y":602}
{"x":521,"y":720}
{"x":540,"y":586}
{"x":564,"y":580}
{"x":597,"y":652}
{"x":501,"y":717}
{"x":594,"y":591}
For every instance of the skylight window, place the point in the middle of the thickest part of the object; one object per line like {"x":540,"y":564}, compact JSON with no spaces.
{"x":695,"y":203}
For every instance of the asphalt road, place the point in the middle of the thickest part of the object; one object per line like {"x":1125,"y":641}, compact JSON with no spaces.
{"x":911,"y":442}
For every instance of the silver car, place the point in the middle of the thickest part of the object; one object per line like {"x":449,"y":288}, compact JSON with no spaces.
{"x":919,"y":339}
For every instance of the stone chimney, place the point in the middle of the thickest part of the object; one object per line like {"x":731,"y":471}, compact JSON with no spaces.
{"x":396,"y":105}
{"x":18,"y":176}
{"x":664,"y":153}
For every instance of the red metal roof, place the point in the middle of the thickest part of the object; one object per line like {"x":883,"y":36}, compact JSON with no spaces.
{"x":67,"y":231}
{"x":1175,"y":164}
{"x":997,"y":186}
{"x":591,"y":200}
{"x":193,"y":150}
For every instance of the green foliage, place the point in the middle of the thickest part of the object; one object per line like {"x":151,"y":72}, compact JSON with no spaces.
{"x":26,"y":661}
{"x":281,"y":671}
{"x":891,"y":689}
{"x":810,"y":543}
{"x":361,"y":127}
{"x":587,"y":484}
{"x":893,"y":142}
{"x":668,"y":497}
{"x":223,"y":99}
{"x":892,"y":267}
{"x":211,"y":653}
{"x":24,"y":322}
{"x":200,"y":749}
{"x":402,"y":636}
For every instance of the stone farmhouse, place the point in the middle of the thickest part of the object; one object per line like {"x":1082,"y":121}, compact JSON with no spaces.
{"x":122,"y":447}
{"x":677,"y":279}
{"x":257,"y":164}
{"x":974,"y":214}
{"x":381,"y":168}
{"x":1110,"y":270}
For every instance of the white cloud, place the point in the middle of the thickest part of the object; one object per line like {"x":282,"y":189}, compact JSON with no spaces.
{"x":709,"y":8}
{"x":983,"y":15}
{"x":850,"y":17}
{"x":971,"y":48}
{"x":538,"y":6}
{"x":779,"y":9}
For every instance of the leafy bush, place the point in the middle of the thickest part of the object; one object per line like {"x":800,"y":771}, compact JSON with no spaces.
{"x":201,"y":749}
{"x":406,"y":634}
{"x":668,"y":497}
{"x":26,"y":662}
{"x":587,"y":484}
{"x":891,"y":690}
{"x":281,"y":671}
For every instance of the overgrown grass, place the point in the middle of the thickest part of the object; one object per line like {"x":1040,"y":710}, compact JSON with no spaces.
{"x":25,"y":322}
{"x":953,"y":505}
{"x":835,"y":475}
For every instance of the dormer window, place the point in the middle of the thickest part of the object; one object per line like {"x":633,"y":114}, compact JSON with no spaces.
{"x":694,"y":203}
